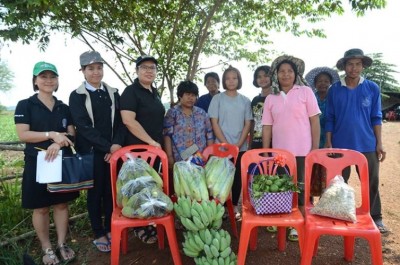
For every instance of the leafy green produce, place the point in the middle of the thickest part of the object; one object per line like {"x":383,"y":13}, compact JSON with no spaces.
{"x":272,"y":183}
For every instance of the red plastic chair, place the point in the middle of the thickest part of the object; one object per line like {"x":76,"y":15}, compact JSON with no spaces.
{"x":335,"y":160}
{"x":225,"y":150}
{"x":120,"y":224}
{"x":251,"y":220}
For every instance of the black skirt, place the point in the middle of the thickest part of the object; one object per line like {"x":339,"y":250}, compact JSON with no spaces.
{"x":35,"y":195}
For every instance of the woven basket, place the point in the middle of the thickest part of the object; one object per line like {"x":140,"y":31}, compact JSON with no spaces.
{"x":273,"y":202}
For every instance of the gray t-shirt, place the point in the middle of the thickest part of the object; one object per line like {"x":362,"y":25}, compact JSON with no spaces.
{"x":231,"y":113}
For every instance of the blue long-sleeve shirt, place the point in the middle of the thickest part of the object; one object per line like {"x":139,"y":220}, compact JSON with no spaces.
{"x":351,"y":115}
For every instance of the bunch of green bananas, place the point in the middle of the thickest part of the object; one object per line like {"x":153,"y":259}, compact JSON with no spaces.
{"x":196,"y":216}
{"x":209,"y":246}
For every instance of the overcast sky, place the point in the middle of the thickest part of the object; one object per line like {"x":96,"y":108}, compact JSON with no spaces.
{"x":374,"y":33}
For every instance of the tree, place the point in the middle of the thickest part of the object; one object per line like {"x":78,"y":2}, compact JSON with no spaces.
{"x":6,"y":77}
{"x":381,"y":73}
{"x":6,"y":80}
{"x":182,"y":34}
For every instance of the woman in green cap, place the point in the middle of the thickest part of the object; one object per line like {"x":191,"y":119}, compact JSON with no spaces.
{"x":43,"y":122}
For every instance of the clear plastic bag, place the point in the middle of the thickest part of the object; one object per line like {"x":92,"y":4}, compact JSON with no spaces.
{"x":337,"y":201}
{"x":220,"y":172}
{"x":190,"y":180}
{"x":134,"y":186}
{"x":148,"y":203}
{"x":132,"y":169}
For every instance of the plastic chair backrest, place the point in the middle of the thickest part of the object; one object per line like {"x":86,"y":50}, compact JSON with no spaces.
{"x":222,"y":150}
{"x":148,"y":153}
{"x":335,"y":160}
{"x":265,"y":166}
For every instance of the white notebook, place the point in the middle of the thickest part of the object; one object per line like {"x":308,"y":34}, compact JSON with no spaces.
{"x":48,"y":172}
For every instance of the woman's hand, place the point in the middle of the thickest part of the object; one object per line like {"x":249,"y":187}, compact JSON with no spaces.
{"x":52,"y":152}
{"x":61,"y":139}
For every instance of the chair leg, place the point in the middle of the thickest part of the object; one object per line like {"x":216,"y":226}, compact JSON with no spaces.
{"x":375,"y":245}
{"x":232,"y":218}
{"x":161,"y":236}
{"x":300,"y":232}
{"x":310,"y":241}
{"x":115,"y":244}
{"x":124,"y":240}
{"x":253,"y":237}
{"x":281,"y":238}
{"x":348,"y":247}
{"x":173,"y":243}
{"x":245,"y":235}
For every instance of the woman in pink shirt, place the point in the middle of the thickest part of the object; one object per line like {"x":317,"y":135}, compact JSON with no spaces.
{"x":291,"y":115}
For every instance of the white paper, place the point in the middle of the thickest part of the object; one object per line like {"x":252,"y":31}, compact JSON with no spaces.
{"x":48,"y":172}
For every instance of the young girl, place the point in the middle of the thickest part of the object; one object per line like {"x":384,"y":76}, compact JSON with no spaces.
{"x":260,"y":79}
{"x":230,"y":114}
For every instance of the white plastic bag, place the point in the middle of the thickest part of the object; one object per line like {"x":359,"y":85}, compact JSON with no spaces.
{"x":337,"y":201}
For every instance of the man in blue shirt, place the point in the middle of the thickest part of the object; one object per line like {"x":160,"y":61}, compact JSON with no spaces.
{"x":211,"y":81}
{"x":354,"y":121}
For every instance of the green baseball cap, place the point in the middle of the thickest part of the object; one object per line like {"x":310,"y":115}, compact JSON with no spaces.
{"x":44,"y":66}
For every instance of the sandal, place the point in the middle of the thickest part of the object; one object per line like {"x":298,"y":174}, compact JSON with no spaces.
{"x":293,"y":236}
{"x":272,"y":229}
{"x":148,"y":234}
{"x":382,"y":228}
{"x":102,"y":246}
{"x":66,"y":253}
{"x":49,"y":257}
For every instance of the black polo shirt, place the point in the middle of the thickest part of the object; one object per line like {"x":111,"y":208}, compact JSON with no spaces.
{"x":33,"y":112}
{"x":148,"y":108}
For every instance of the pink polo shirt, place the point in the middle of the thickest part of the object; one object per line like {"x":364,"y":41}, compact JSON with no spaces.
{"x":289,"y":116}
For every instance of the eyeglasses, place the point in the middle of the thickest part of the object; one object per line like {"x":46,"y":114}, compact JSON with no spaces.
{"x":148,"y":68}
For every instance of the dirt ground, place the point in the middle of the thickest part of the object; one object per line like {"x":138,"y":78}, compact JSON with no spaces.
{"x":330,"y":249}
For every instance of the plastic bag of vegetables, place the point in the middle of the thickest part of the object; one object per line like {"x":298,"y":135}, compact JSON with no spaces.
{"x":189,"y":180}
{"x":134,"y":168}
{"x":148,"y":203}
{"x":220,"y":172}
{"x":134,"y":186}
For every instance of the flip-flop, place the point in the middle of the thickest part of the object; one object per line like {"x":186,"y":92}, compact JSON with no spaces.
{"x":293,"y":236}
{"x":382,"y":228}
{"x":99,"y":244}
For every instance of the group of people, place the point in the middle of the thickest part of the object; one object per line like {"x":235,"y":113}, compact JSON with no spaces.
{"x":289,"y":113}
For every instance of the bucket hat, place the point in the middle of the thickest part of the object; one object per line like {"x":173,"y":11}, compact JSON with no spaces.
{"x":310,"y":76}
{"x":44,"y":66}
{"x":351,"y":54}
{"x":274,"y":72}
{"x":90,"y":57}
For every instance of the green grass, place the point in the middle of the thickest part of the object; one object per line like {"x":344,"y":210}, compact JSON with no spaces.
{"x":15,"y":220}
{"x":7,"y":132}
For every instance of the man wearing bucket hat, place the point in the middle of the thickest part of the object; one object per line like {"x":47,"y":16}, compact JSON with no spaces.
{"x":320,"y":79}
{"x":354,"y":121}
{"x":292,"y":104}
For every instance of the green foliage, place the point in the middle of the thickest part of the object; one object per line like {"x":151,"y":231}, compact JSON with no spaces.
{"x":382,"y":74}
{"x":182,"y":34}
{"x":7,"y":132}
{"x":6,"y":77}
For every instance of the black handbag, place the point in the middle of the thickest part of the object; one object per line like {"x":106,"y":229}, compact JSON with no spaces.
{"x":77,"y":173}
